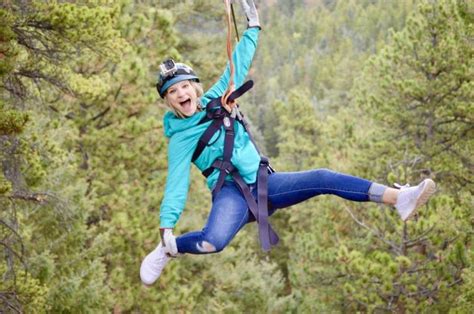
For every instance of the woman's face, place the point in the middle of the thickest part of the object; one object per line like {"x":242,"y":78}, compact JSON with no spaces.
{"x":182,"y":97}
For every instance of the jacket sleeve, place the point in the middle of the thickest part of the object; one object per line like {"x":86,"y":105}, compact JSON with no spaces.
{"x":177,"y":183}
{"x":242,"y":56}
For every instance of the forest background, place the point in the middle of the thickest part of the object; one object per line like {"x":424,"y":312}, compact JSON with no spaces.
{"x":378,"y":89}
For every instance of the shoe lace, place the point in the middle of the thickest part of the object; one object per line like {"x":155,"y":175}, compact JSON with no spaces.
{"x":399,"y":186}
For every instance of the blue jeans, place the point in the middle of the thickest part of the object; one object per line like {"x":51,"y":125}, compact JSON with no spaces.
{"x":229,"y":212}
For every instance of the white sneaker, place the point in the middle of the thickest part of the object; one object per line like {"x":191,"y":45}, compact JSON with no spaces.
{"x":411,"y":198}
{"x":153,"y":264}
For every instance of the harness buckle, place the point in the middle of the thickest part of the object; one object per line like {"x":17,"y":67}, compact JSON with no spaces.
{"x":226,"y":122}
{"x":264,"y":160}
{"x":239,"y":115}
{"x":223,"y":165}
{"x":233,"y":113}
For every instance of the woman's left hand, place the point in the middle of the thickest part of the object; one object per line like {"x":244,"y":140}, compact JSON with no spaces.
{"x":250,"y":12}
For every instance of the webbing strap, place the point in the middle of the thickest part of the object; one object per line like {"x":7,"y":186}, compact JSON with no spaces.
{"x":206,"y":137}
{"x":226,"y":120}
{"x":241,"y":90}
{"x":214,"y":113}
{"x":228,"y":123}
{"x":267,"y":235}
{"x":259,"y":208}
{"x":265,"y":230}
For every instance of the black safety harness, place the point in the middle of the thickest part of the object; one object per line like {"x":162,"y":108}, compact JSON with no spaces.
{"x":222,"y":119}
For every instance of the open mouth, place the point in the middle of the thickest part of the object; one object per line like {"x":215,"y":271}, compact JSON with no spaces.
{"x":185,"y":104}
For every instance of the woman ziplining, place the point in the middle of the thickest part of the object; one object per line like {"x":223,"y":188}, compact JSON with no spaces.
{"x":208,"y":130}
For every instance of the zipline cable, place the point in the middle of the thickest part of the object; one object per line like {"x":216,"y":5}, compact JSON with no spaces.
{"x":228,"y":105}
{"x":235,"y":23}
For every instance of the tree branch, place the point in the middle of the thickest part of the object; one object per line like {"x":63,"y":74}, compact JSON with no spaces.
{"x":375,"y":232}
{"x":4,"y":296}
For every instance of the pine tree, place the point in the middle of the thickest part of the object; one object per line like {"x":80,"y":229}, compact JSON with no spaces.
{"x":418,"y":87}
{"x":422,"y":86}
{"x":297,"y":127}
{"x":50,"y":261}
{"x":350,"y":257}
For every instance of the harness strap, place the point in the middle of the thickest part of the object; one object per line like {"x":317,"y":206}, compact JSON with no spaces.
{"x":228,"y":123}
{"x":268,"y":237}
{"x":214,"y":106}
{"x":265,"y":230}
{"x":206,"y":137}
{"x":226,"y":120}
{"x":241,"y":90}
{"x":259,"y":209}
{"x":215,"y":113}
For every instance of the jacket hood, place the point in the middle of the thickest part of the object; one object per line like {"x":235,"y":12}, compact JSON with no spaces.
{"x":173,"y":124}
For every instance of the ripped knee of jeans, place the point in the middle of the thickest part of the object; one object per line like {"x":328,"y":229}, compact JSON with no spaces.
{"x":206,"y":247}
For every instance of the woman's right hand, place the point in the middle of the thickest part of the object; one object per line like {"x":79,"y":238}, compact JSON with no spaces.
{"x":250,"y":12}
{"x":169,"y":242}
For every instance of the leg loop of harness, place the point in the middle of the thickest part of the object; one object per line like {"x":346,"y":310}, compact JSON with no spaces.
{"x":226,"y":166}
{"x":259,"y":208}
{"x":267,"y":235}
{"x":262,"y":198}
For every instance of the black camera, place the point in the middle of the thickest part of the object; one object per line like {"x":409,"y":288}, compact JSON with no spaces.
{"x":168,"y":68}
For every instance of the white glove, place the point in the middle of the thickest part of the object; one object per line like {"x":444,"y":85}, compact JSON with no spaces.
{"x":169,"y":242}
{"x":250,"y":12}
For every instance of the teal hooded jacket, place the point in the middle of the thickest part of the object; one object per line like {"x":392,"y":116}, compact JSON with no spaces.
{"x":184,"y":135}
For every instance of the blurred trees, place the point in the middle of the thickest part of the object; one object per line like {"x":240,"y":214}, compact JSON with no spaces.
{"x":407,"y":116}
{"x":50,"y":261}
{"x":420,"y":88}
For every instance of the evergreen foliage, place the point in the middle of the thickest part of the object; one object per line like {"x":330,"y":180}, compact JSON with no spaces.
{"x":52,"y":262}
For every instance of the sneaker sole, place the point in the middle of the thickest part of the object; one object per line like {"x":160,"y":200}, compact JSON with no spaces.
{"x":428,"y":190}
